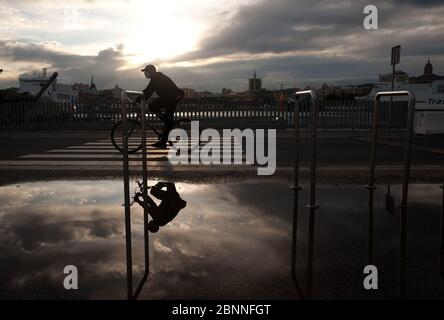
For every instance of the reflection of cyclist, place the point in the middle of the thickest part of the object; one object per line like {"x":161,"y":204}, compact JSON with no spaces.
{"x":169,"y":97}
{"x":168,"y":209}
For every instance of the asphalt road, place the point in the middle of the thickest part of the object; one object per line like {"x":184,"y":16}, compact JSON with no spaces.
{"x":89,"y":154}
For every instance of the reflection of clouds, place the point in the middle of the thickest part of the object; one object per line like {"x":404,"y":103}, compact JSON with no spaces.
{"x":231,"y":241}
{"x":14,"y":196}
{"x":31,"y":229}
{"x":45,"y":226}
{"x":159,"y":247}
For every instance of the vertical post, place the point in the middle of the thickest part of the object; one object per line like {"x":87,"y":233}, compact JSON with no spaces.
{"x":405,"y":182}
{"x":391,"y":98}
{"x":441,"y":256}
{"x":129,"y":263}
{"x":145,"y":187}
{"x":405,"y":189}
{"x":312,"y":192}
{"x":371,"y":187}
{"x":395,"y":59}
{"x":295,"y":188}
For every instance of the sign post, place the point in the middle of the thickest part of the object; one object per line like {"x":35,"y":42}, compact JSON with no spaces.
{"x":395,"y":59}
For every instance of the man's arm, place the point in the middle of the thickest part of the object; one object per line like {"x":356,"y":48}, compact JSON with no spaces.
{"x":157,"y":191}
{"x":149,"y":90}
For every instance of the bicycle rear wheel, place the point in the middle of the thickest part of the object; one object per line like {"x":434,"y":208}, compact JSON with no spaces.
{"x":134,"y":136}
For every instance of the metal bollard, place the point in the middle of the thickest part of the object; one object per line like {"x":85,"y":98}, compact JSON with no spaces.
{"x":126,"y":191}
{"x":312,"y":188}
{"x":129,"y":264}
{"x":405,"y":181}
{"x":441,"y":256}
{"x":145,"y":184}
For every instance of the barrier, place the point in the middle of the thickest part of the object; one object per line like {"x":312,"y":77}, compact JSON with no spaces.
{"x":405,"y":181}
{"x":314,"y":115}
{"x":127,"y":204}
{"x":441,"y":255}
{"x":211,"y":112}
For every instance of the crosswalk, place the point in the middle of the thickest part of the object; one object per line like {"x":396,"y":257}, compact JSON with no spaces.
{"x":102,"y":153}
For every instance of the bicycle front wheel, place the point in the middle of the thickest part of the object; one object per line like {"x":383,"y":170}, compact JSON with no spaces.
{"x":134,"y":136}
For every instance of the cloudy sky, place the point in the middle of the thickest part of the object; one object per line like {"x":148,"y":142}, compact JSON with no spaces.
{"x":209,"y":44}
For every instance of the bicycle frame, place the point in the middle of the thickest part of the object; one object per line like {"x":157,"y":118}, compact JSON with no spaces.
{"x":139,"y":118}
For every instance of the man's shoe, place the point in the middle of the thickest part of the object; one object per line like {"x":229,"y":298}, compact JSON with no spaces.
{"x":159,"y":145}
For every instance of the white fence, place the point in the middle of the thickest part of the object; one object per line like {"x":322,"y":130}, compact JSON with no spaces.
{"x":211,"y":112}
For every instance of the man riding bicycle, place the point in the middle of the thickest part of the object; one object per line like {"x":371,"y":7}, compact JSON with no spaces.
{"x":169,"y":97}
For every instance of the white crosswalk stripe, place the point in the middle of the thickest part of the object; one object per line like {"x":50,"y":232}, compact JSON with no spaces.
{"x":103,"y":153}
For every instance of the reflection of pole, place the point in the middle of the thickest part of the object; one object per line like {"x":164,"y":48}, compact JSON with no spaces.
{"x":370,"y":224}
{"x":129,"y":263}
{"x":145,"y":188}
{"x":442,"y":235}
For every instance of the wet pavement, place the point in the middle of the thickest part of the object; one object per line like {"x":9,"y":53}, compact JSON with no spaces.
{"x":231,"y":241}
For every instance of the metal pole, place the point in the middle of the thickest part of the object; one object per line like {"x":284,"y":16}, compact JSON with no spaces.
{"x":391,"y":98}
{"x":405,"y":190}
{"x":441,"y":258}
{"x":145,"y":188}
{"x":126,"y":191}
{"x":295,"y":188}
{"x":405,"y":182}
{"x":312,"y":194}
{"x":371,"y":187}
{"x":314,"y":113}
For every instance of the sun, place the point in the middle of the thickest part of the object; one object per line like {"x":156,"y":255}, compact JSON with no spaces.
{"x":160,"y":35}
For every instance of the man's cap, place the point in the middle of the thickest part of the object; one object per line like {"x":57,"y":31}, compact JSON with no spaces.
{"x":149,"y":67}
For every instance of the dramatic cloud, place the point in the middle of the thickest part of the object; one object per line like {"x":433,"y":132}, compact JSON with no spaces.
{"x":218,"y":45}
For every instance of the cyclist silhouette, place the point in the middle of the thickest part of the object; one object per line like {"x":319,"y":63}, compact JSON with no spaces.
{"x":169,"y":97}
{"x":168,"y":209}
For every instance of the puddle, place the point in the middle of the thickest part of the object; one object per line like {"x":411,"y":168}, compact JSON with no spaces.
{"x":231,"y":241}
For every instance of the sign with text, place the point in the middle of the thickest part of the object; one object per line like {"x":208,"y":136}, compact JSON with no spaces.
{"x":396,"y":55}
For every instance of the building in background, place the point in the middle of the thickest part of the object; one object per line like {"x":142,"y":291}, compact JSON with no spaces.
{"x":189,"y":93}
{"x":254,"y":84}
{"x":428,"y":76}
{"x":400,"y":76}
{"x":421,"y":85}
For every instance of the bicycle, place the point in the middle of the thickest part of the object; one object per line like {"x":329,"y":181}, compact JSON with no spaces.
{"x":134,"y":131}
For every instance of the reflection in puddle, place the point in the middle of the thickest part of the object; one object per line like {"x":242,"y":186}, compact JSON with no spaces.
{"x":230,"y":241}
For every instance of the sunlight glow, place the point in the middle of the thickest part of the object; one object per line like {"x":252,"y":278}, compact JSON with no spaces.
{"x":159,"y":31}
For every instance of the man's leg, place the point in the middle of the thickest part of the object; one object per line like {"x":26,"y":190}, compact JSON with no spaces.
{"x":168,"y":122}
{"x":156,"y":107}
{"x":170,"y":108}
{"x":153,"y":208}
